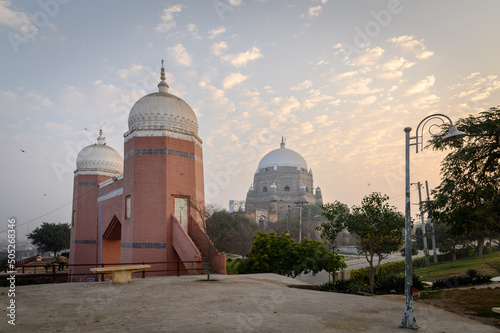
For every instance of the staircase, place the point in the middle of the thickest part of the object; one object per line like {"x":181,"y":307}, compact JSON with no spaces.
{"x":204,"y":261}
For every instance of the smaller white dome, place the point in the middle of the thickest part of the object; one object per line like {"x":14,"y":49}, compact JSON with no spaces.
{"x":99,"y":158}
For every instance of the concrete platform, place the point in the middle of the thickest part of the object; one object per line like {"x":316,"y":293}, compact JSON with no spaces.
{"x":234,"y":303}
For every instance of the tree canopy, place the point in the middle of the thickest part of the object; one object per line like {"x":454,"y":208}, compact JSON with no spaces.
{"x":377,"y":226}
{"x":468,"y":198}
{"x":51,"y":237}
{"x":280,"y":254}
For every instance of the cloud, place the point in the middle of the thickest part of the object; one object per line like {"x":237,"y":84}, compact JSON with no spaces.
{"x":304,"y":85}
{"x":180,"y":54}
{"x":286,"y":105}
{"x":193,"y":30}
{"x":233,"y":79}
{"x":215,"y":32}
{"x":241,"y":59}
{"x":35,"y":98}
{"x":167,"y":18}
{"x":133,"y":70}
{"x":369,"y":57}
{"x":358,"y":86}
{"x":57,"y":127}
{"x":409,"y":43}
{"x":421,"y":86}
{"x":323,"y":121}
{"x":235,"y":3}
{"x":17,"y":20}
{"x":306,"y":128}
{"x":314,"y":11}
{"x":219,"y":48}
{"x":315,"y":97}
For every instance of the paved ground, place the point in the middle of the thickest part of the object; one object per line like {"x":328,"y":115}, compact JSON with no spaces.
{"x":235,"y":303}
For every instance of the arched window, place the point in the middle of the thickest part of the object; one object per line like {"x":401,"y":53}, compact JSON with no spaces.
{"x":287,"y":188}
{"x":264,"y":189}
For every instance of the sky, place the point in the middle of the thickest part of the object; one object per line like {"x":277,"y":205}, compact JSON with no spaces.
{"x":339,"y":79}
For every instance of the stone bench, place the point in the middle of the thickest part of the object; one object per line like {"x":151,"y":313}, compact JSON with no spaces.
{"x":121,"y":274}
{"x":497,"y":310}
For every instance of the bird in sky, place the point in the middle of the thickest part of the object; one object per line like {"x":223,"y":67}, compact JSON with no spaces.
{"x":22,"y":150}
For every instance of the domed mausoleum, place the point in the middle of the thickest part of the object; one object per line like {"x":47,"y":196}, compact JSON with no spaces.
{"x":282,"y":183}
{"x":143,"y":208}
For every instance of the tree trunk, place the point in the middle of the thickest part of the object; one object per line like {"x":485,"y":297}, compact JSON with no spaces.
{"x":372,"y":275}
{"x":480,"y":247}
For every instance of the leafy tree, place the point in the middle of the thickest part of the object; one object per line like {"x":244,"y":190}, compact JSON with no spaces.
{"x":280,"y":254}
{"x":468,"y":198}
{"x":377,"y":226}
{"x":51,"y":237}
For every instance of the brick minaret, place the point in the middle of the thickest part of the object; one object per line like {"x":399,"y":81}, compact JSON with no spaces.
{"x":163,"y":172}
{"x":95,"y":164}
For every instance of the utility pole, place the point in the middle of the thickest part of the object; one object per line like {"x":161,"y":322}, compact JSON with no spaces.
{"x":300,"y":223}
{"x":433,"y":233}
{"x":426,"y":252}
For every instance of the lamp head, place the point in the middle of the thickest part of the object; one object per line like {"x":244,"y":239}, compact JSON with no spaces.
{"x":453,"y":134}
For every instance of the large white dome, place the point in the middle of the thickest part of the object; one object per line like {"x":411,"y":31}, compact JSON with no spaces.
{"x":162,"y":111}
{"x":99,"y":157}
{"x":282,"y":157}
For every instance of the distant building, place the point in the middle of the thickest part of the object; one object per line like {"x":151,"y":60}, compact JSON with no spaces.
{"x":140,"y":209}
{"x":282,"y":182}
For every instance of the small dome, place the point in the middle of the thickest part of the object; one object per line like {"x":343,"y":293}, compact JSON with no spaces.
{"x":282,"y":157}
{"x":99,"y":158}
{"x":163,"y":111}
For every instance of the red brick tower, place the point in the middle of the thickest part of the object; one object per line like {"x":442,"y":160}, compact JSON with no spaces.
{"x":94,"y":164}
{"x":163,"y":174}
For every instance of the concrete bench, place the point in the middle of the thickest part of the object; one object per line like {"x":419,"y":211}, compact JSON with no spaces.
{"x":497,"y":310}
{"x":121,"y":274}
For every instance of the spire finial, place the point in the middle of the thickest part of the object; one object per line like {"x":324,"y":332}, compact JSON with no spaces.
{"x":100,"y":138}
{"x":282,"y":145}
{"x":163,"y":86}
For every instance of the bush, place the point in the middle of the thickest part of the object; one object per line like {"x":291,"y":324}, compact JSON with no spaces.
{"x":346,"y":287}
{"x":387,"y":283}
{"x":472,"y":278}
{"x":387,"y":269}
{"x":383,"y":285}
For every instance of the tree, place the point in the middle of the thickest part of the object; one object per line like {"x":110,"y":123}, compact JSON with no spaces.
{"x":377,"y":226}
{"x":280,"y":254}
{"x":51,"y":237}
{"x":468,"y":198}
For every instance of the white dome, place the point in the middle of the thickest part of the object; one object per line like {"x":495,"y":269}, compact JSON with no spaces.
{"x":162,"y":111}
{"x":282,"y":157}
{"x":99,"y":158}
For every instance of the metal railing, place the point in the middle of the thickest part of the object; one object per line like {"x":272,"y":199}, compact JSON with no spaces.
{"x":53,"y":270}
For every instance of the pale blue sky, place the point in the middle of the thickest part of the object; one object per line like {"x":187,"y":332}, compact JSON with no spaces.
{"x":339,"y":79}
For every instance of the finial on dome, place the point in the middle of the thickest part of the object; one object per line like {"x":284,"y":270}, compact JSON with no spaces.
{"x":282,"y":144}
{"x":100,"y":138}
{"x":163,"y":86}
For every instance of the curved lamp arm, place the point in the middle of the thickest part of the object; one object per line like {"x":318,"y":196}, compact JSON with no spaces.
{"x":424,"y":121}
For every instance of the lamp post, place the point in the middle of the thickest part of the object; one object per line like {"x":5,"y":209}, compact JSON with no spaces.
{"x":453,"y":134}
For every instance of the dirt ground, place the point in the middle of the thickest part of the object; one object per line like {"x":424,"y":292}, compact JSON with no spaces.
{"x":235,"y":303}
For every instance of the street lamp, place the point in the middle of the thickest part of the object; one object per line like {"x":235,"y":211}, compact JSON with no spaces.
{"x":453,"y":134}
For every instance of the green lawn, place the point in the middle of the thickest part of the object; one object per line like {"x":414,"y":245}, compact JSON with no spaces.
{"x":445,"y":269}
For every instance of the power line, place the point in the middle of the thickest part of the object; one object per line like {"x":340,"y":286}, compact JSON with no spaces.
{"x":36,"y":218}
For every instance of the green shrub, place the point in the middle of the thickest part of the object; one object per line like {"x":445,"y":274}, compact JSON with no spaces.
{"x":387,"y":269}
{"x":472,"y":278}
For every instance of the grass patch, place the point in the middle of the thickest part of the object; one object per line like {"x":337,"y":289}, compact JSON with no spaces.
{"x":459,"y":267}
{"x":476,"y":303}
